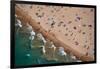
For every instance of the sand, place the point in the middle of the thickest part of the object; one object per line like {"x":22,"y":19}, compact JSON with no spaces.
{"x":73,"y":26}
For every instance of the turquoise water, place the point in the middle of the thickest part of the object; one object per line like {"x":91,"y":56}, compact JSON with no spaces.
{"x":22,"y":48}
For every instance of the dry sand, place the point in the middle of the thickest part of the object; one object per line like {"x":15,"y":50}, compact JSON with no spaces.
{"x":73,"y":26}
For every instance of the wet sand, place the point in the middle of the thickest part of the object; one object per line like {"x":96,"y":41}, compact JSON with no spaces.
{"x":73,"y":26}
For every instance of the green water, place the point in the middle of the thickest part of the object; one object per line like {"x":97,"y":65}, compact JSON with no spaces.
{"x":22,"y":48}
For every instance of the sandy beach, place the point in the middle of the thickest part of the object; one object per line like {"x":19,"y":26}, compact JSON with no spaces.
{"x":73,"y":27}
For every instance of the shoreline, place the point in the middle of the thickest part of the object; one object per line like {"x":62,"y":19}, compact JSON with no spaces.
{"x":25,"y":17}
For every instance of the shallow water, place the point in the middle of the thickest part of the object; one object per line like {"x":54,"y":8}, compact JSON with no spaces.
{"x":25,"y":54}
{"x":22,"y":49}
